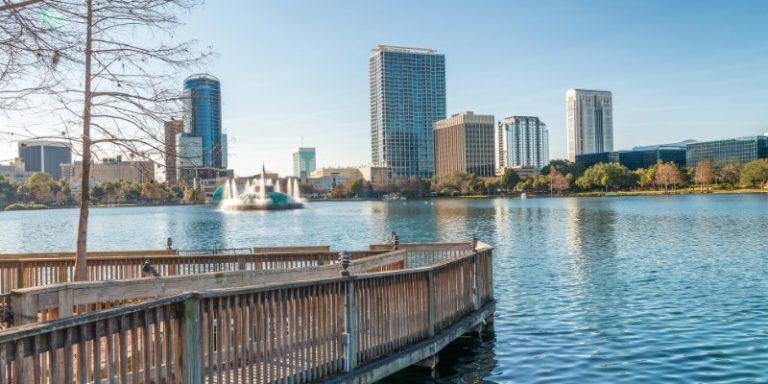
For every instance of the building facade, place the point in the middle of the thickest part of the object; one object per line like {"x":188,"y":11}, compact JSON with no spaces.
{"x":407,"y":96}
{"x":522,"y":141}
{"x":45,"y":156}
{"x":14,"y":171}
{"x":379,"y":177}
{"x":743,"y":150}
{"x":202,"y":116}
{"x":464,"y":143}
{"x":638,"y":157}
{"x":589,"y":119}
{"x":111,"y":170}
{"x":304,"y":162}
{"x":172,"y":128}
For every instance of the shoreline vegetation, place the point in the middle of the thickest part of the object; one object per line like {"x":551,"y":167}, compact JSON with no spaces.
{"x":558,"y":178}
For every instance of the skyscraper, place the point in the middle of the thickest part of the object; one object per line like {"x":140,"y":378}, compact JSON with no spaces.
{"x":303,"y":163}
{"x":172,"y":128}
{"x":589,"y":117}
{"x":464,"y":144}
{"x":45,"y":156}
{"x":522,"y":141}
{"x":407,"y":88}
{"x":202,"y":116}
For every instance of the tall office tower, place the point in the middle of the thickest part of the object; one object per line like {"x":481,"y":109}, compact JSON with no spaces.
{"x":464,"y":144}
{"x":303,"y":163}
{"x":589,"y":116}
{"x":202,"y":116}
{"x":45,"y":156}
{"x":407,"y":97}
{"x":172,"y":128}
{"x":522,"y":141}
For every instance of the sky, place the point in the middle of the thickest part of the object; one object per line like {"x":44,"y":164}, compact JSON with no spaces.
{"x":295,"y":73}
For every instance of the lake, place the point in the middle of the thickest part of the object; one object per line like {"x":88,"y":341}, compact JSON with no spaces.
{"x":589,"y":290}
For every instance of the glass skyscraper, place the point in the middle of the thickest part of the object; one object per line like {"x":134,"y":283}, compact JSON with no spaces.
{"x":407,"y":97}
{"x":202,"y":117}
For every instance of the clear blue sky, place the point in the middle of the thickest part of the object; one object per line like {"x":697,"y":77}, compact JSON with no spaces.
{"x":678,"y":69}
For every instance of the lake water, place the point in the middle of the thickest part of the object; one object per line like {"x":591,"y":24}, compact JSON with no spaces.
{"x":589,"y":290}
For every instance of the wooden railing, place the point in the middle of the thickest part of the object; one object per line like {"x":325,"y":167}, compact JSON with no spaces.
{"x":55,"y":301}
{"x":290,"y":332}
{"x":28,"y":272}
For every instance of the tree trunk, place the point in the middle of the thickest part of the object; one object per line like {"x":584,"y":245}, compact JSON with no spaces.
{"x":81,"y":271}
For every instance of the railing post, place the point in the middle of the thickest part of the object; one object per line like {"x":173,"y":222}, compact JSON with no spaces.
{"x":432,"y":304}
{"x":478,"y":278}
{"x":19,"y":275}
{"x":350,"y":328}
{"x":24,"y":308}
{"x":191,"y":357}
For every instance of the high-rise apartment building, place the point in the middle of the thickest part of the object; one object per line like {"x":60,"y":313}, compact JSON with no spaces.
{"x":464,"y":144}
{"x":589,"y":118}
{"x":172,"y":128}
{"x":45,"y":156}
{"x":303,"y":163}
{"x":202,"y":116}
{"x":522,"y":141}
{"x":407,"y":88}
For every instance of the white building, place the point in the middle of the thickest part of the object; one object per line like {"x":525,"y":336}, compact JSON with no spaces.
{"x":521,"y":141}
{"x":589,"y":118}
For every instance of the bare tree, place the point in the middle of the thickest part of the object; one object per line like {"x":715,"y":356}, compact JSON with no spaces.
{"x":557,"y":182}
{"x":111,"y":81}
{"x":705,"y":173}
{"x":668,"y":174}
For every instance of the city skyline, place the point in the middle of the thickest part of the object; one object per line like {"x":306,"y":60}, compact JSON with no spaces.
{"x":666,"y":82}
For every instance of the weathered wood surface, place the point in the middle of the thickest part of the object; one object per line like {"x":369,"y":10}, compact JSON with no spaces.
{"x":58,"y":300}
{"x":358,"y":328}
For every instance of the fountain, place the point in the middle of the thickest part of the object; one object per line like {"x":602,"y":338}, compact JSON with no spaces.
{"x":259,"y":200}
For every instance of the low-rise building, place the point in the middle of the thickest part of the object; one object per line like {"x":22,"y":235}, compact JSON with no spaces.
{"x":111,"y":169}
{"x":742,"y":149}
{"x":639,"y":157}
{"x":14,"y":171}
{"x":378,"y":176}
{"x":524,"y":171}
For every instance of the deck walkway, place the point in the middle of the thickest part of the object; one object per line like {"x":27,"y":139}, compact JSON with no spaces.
{"x":306,"y":324}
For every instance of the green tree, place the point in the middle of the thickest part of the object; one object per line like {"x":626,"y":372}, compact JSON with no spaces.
{"x":607,"y":176}
{"x":755,"y":173}
{"x":727,"y":172}
{"x":40,"y":186}
{"x":565,"y":167}
{"x":7,"y":192}
{"x":510,"y":179}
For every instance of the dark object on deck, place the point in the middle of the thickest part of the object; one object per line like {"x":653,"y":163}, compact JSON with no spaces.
{"x":169,"y":242}
{"x":147,"y":270}
{"x":346,"y":260}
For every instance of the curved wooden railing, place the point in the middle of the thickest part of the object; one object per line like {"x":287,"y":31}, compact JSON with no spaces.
{"x":289,"y":332}
{"x":32,"y":270}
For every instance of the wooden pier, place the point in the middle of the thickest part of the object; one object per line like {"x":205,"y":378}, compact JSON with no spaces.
{"x":269,"y":316}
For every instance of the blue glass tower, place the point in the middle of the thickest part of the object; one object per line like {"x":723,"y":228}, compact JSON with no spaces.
{"x":202,"y":117}
{"x":407,"y":97}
